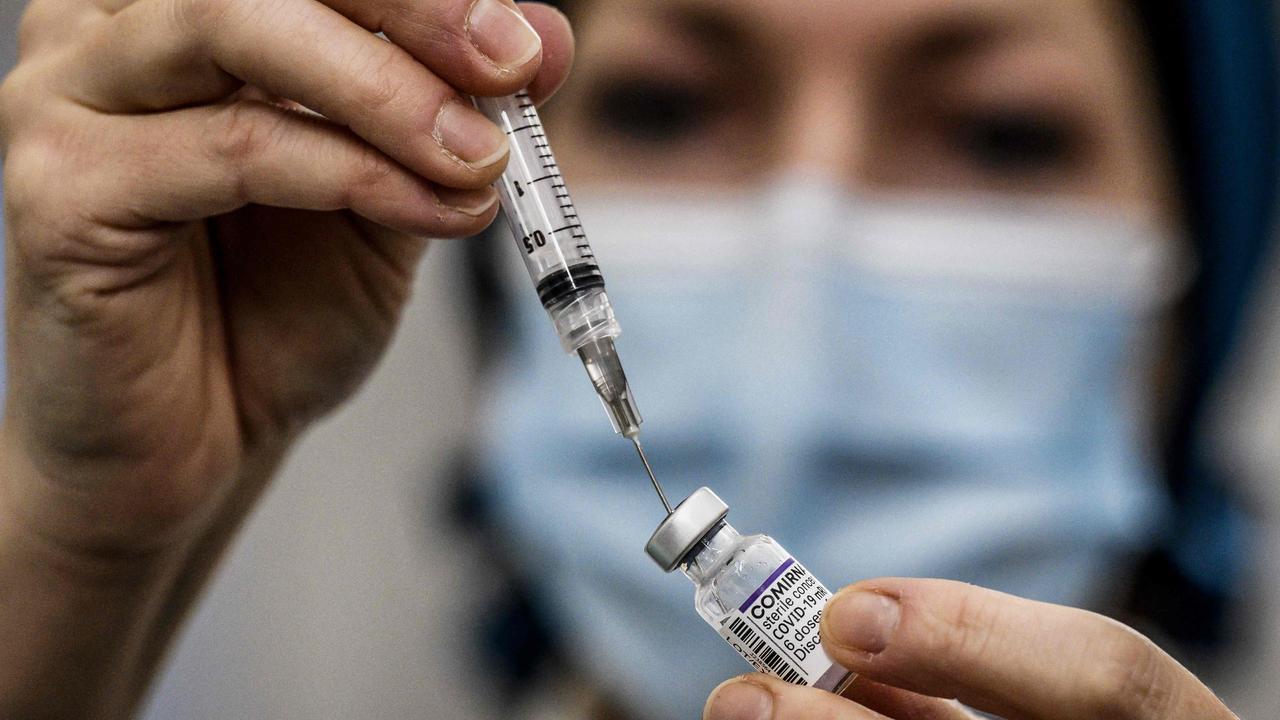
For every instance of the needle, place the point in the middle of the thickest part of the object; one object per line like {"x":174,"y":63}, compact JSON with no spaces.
{"x":661,"y":495}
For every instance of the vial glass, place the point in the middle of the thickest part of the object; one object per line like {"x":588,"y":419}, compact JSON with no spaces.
{"x":763,"y":602}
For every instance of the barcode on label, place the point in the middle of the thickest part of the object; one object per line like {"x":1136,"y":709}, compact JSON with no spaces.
{"x":763,"y":654}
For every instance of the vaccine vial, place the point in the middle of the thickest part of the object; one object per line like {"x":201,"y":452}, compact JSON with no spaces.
{"x":763,"y":602}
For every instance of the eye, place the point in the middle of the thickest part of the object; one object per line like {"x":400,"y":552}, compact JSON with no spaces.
{"x":1015,"y":144}
{"x":650,"y":111}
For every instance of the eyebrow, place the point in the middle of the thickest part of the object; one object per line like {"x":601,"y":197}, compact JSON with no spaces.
{"x":946,"y":33}
{"x":950,"y":36}
{"x":710,"y":25}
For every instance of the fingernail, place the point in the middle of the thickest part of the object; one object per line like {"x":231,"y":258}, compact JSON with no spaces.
{"x":502,"y":34}
{"x":468,"y":135}
{"x":739,"y":700}
{"x":863,"y":620}
{"x":468,"y":202}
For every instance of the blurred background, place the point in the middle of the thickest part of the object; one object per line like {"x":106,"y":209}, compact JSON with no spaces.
{"x":350,"y":594}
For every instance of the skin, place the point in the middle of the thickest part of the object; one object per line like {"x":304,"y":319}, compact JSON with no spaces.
{"x":198,"y":269}
{"x":882,"y":96}
{"x":922,"y":647}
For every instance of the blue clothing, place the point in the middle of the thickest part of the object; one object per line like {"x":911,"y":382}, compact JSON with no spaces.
{"x":1217,"y":64}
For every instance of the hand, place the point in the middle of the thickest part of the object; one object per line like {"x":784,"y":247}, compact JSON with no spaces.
{"x":198,"y":267}
{"x":919,"y":645}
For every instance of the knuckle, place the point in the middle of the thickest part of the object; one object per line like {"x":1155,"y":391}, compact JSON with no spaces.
{"x":1131,"y":681}
{"x":18,"y":100}
{"x":31,"y":28}
{"x":60,"y":195}
{"x":243,"y":129}
{"x":381,"y":78}
{"x":369,"y":171}
{"x":54,"y":25}
{"x":38,"y":169}
{"x":43,"y":184}
{"x":438,"y":26}
{"x":194,"y":15}
{"x":44,"y":24}
{"x":967,"y":630}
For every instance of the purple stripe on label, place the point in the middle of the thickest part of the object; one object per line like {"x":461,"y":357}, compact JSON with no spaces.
{"x":781,"y":569}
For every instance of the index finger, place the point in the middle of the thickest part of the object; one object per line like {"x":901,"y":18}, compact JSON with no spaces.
{"x":1006,"y":655}
{"x":481,"y":47}
{"x":163,"y":54}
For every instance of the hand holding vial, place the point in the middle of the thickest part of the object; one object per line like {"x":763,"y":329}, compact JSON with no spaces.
{"x":932,"y":648}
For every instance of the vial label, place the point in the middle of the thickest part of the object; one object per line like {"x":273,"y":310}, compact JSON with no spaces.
{"x":776,"y":629}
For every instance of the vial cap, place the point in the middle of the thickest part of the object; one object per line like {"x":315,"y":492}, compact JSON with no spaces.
{"x":684,"y":527}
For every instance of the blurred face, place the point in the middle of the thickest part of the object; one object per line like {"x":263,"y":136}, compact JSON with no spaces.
{"x":1027,"y":97}
{"x":935,"y":410}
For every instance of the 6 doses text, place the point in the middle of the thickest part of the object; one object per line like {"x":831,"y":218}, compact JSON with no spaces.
{"x":785,"y":612}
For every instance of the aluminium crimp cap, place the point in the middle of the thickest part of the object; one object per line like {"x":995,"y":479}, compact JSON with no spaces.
{"x":684,"y":527}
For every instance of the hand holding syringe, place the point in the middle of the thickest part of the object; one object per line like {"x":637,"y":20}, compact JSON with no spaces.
{"x":549,"y":236}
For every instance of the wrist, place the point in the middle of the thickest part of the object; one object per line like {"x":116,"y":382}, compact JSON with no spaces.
{"x":74,"y":622}
{"x":48,"y":527}
{"x":85,"y":622}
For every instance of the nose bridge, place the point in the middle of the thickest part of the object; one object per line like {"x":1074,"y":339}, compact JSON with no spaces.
{"x":823,"y":126}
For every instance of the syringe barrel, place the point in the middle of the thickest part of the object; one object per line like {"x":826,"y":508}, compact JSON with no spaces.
{"x":546,"y":228}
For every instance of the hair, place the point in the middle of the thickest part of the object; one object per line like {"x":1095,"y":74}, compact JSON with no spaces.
{"x":1215,"y":67}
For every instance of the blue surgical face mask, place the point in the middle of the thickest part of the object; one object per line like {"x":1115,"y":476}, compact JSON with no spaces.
{"x":923,"y":387}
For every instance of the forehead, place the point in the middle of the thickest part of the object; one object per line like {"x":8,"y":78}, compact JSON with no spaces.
{"x":866,"y":26}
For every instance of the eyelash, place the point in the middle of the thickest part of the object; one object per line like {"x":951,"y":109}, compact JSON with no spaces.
{"x":650,"y":111}
{"x":1015,"y":142}
{"x":1003,"y":144}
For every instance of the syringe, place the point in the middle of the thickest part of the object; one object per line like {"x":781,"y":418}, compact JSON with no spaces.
{"x":549,"y":236}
